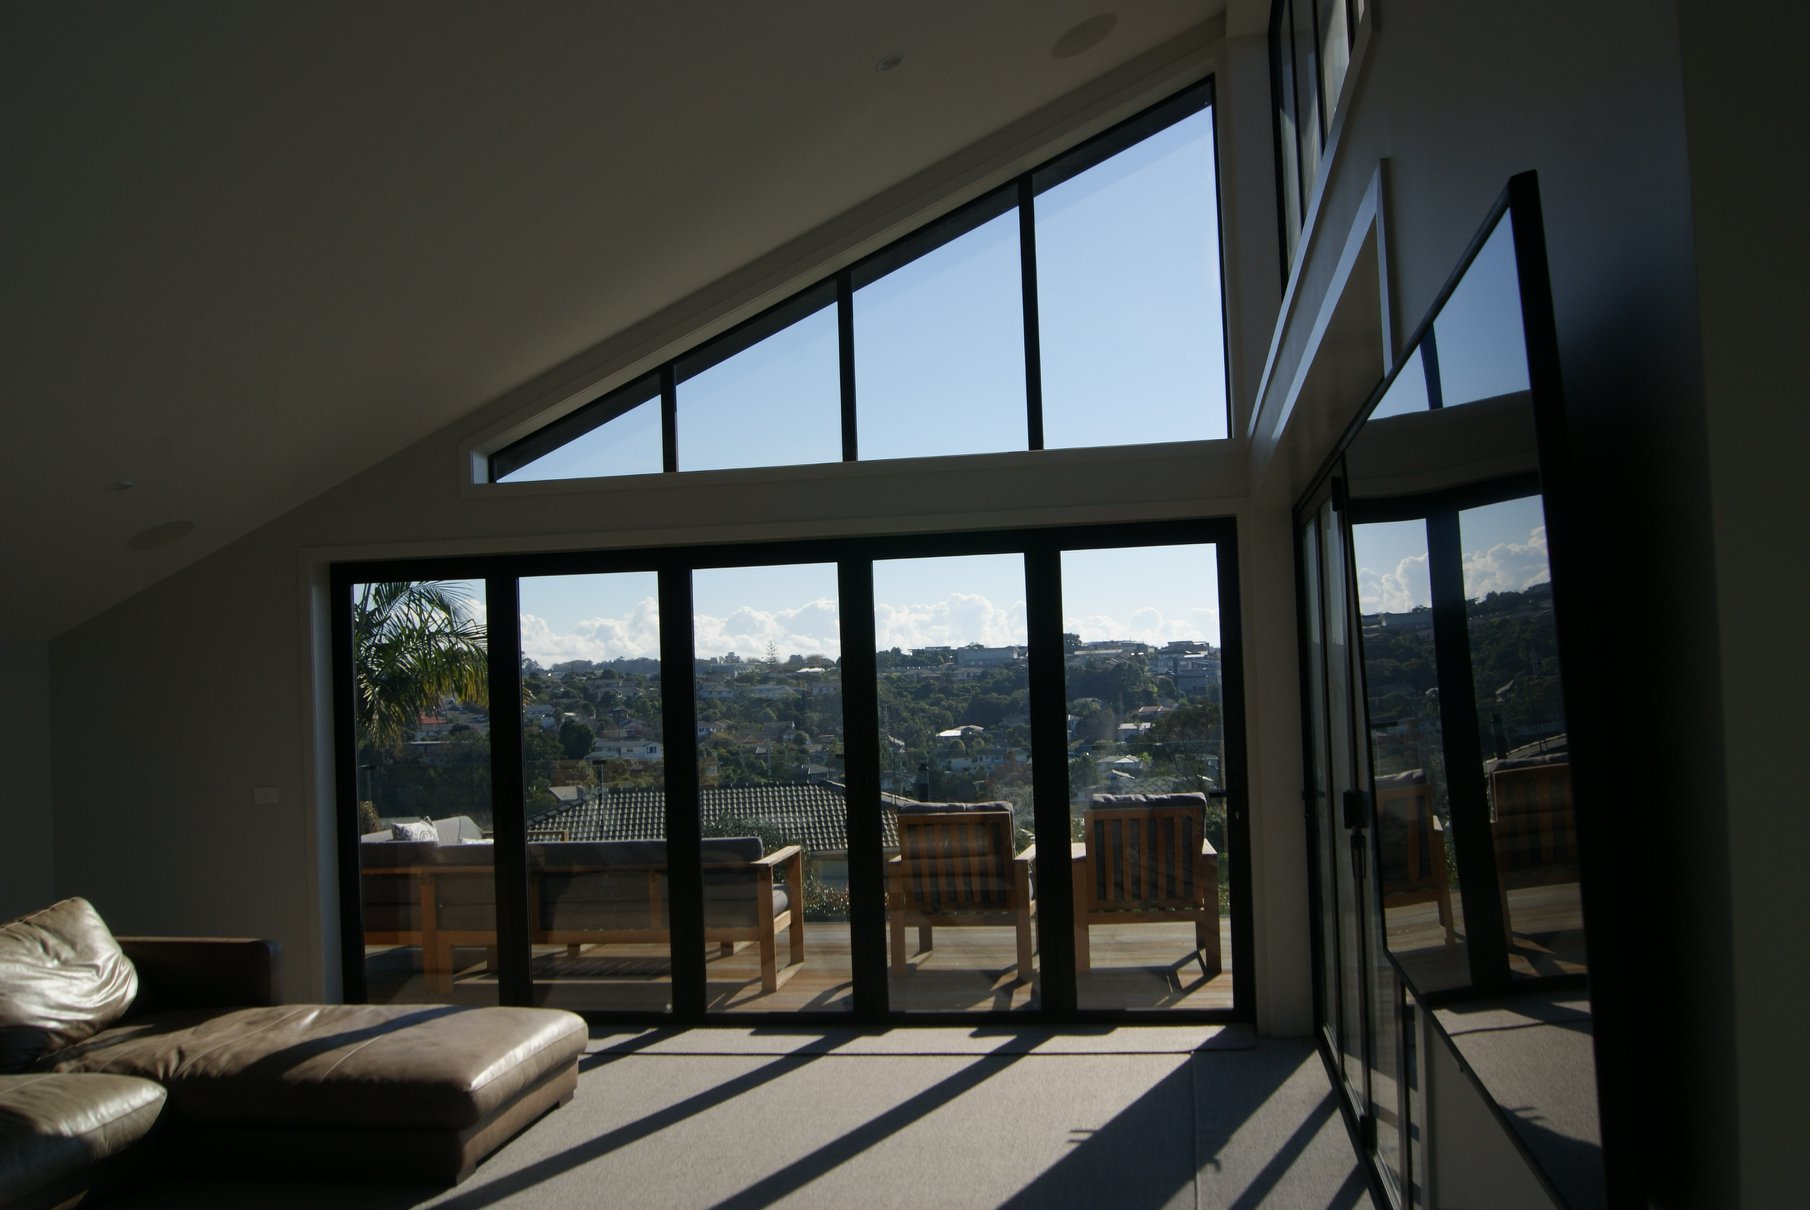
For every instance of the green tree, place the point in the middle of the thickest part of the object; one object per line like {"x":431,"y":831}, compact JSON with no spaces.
{"x":575,"y":739}
{"x":413,"y":643}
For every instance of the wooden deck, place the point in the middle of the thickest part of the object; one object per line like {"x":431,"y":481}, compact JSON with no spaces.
{"x":1546,"y":937}
{"x":1135,"y":966}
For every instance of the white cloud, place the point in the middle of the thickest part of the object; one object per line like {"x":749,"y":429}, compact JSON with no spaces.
{"x":955,"y":621}
{"x":813,"y":628}
{"x":1395,"y":590}
{"x":1507,"y":566}
{"x":1147,"y":625}
{"x":810,"y":629}
{"x":1504,"y":567}
{"x":636,"y":635}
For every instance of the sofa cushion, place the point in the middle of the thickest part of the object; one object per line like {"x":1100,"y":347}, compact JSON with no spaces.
{"x":339,"y":1065}
{"x":62,"y":978}
{"x":54,"y":1126}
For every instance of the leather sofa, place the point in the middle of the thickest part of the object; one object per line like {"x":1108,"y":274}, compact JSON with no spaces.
{"x":182,"y":1047}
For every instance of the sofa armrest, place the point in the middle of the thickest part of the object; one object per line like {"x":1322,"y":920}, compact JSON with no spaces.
{"x":204,"y":972}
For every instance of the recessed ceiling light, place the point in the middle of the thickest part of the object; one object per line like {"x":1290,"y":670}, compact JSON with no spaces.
{"x":1084,"y":37}
{"x":160,"y":535}
{"x":889,"y":62}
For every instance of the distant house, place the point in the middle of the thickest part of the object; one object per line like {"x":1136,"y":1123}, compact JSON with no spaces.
{"x":626,"y":749}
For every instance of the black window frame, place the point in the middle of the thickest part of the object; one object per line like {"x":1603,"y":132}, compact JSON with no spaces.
{"x":838,"y":288}
{"x":1041,"y":549}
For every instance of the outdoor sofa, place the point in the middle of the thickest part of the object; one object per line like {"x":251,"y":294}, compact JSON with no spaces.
{"x":115,"y":1049}
{"x":442,"y":896}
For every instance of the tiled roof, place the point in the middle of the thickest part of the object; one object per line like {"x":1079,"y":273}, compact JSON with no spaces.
{"x":810,"y":814}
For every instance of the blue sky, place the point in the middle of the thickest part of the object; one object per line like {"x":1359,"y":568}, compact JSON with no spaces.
{"x":1482,"y":354}
{"x":1130,"y":323}
{"x":1152,"y":594}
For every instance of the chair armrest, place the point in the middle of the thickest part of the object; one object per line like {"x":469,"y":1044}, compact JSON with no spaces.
{"x":1029,"y":854}
{"x":778,"y":855}
{"x":204,"y":972}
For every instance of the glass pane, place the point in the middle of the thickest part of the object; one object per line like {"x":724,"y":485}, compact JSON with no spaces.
{"x":939,"y":350}
{"x":1307,"y":97}
{"x":1128,"y":296}
{"x":773,"y":802}
{"x":1424,"y":913}
{"x":1479,"y":336}
{"x":1339,"y":691}
{"x":775,"y":403}
{"x":956,"y":782}
{"x":1335,"y":53}
{"x":1521,"y":716}
{"x":593,"y":755}
{"x":1146,"y":749}
{"x":1327,"y":833}
{"x":1385,"y":1054}
{"x":1288,"y":148}
{"x":630,"y":444}
{"x":1406,"y":395}
{"x":422,"y":706}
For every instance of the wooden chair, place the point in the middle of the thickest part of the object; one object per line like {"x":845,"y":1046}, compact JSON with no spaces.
{"x":1411,"y":843}
{"x":1533,"y":829}
{"x":1147,"y":859}
{"x":956,"y":867}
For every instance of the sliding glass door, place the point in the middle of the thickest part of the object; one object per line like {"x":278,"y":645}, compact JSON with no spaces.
{"x":1019,"y":790}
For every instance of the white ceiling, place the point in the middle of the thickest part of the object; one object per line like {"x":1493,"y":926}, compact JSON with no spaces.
{"x":252,"y":249}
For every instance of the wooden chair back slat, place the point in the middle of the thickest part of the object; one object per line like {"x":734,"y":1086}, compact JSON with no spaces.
{"x":1144,"y":856}
{"x":958,"y":860}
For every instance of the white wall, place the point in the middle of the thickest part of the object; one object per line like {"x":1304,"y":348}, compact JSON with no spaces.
{"x":27,"y":859}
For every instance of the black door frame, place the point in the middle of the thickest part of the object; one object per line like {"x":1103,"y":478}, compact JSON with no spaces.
{"x":853,"y":558}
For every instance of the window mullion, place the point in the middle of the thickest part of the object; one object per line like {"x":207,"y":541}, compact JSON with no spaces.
{"x":1033,"y":356}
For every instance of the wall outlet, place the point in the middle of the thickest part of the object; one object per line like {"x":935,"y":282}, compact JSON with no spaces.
{"x":263,"y":796}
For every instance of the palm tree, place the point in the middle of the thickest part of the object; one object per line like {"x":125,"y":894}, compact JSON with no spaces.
{"x":414,"y":643}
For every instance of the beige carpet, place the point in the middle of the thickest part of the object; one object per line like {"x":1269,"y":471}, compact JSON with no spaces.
{"x":1032,"y":1118}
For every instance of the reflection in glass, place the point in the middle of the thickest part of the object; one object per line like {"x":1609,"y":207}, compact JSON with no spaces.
{"x":427,"y":886}
{"x":629,"y":444}
{"x":594,"y":786}
{"x":1343,"y":763}
{"x":773,"y":800}
{"x":939,"y":350}
{"x":1319,"y":783}
{"x":1128,"y":296}
{"x":1478,"y":333}
{"x":1454,"y":531}
{"x":1413,"y":813}
{"x":1408,"y":393}
{"x":1307,"y":92}
{"x":1521,"y":714}
{"x":956,"y":801}
{"x":776,"y":403}
{"x":1145,"y":758}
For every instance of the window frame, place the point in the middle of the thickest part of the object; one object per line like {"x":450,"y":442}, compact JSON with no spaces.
{"x":1041,"y":549}
{"x":1018,"y":192}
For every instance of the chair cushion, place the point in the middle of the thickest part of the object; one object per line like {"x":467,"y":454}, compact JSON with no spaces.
{"x":944,"y":808}
{"x":1143,"y":802}
{"x":340,"y":1065}
{"x":62,"y":978}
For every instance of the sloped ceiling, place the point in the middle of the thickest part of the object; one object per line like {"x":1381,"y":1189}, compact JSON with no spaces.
{"x":252,"y":249}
